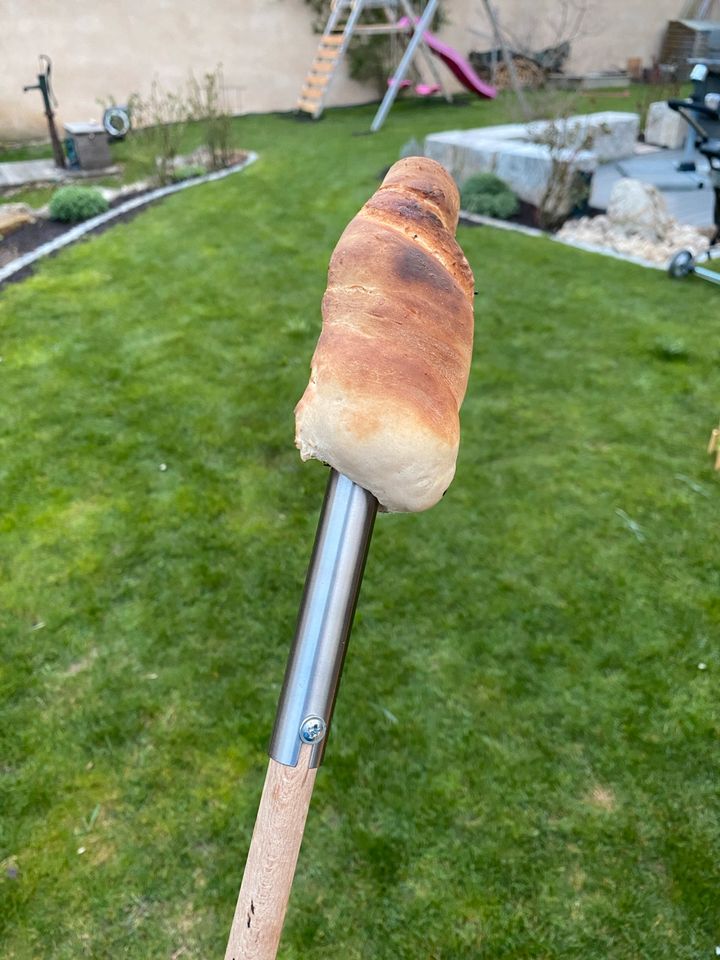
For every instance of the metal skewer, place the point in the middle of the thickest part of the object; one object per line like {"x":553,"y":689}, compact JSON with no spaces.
{"x":303,"y":718}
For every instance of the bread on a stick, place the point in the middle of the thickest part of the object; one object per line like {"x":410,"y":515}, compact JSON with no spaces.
{"x":391,"y":366}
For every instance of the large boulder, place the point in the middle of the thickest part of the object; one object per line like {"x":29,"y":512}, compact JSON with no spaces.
{"x":527,"y":168}
{"x":638,"y":209}
{"x":664,"y":127}
{"x":610,"y":135}
{"x":14,"y":215}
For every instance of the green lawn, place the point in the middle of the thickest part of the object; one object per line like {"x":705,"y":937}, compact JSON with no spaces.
{"x":523,"y":764}
{"x":34,"y":151}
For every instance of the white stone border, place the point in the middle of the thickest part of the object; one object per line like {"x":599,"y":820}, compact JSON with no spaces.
{"x":74,"y":233}
{"x":578,"y":244}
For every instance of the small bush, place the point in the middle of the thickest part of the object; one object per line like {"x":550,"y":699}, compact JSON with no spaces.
{"x":487,"y":194}
{"x":72,"y":204}
{"x":160,"y":120}
{"x":484,"y":183}
{"x":500,"y":205}
{"x":187,"y":172}
{"x":208,"y":105}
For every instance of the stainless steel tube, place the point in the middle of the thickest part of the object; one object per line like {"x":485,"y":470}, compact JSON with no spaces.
{"x":332,"y":586}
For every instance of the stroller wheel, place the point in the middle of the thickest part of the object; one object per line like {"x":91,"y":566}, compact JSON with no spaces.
{"x":681,"y":264}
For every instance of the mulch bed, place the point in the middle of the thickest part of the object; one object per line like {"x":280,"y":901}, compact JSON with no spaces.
{"x":29,"y":236}
{"x":527,"y":216}
{"x":32,"y":235}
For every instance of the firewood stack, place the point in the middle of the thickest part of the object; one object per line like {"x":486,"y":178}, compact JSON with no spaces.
{"x":531,"y":75}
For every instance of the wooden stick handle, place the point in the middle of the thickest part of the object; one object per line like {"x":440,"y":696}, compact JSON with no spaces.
{"x":270,"y":867}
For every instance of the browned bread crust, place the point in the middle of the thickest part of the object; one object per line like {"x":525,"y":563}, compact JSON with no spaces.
{"x":390,"y":368}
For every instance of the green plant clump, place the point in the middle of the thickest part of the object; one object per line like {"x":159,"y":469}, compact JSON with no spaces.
{"x":487,"y":194}
{"x":188,"y":171}
{"x":208,"y":104}
{"x":73,"y":204}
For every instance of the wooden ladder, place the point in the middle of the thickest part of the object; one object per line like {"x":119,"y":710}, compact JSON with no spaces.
{"x":342,"y":24}
{"x":344,"y":15}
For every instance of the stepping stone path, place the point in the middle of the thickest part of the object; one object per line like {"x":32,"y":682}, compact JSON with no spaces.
{"x":30,"y":171}
{"x":14,"y":215}
{"x":22,"y":172}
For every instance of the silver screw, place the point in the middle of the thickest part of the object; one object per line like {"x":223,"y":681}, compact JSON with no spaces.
{"x":312,"y":729}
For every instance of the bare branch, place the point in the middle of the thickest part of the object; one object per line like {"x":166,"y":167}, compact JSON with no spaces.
{"x":568,"y":24}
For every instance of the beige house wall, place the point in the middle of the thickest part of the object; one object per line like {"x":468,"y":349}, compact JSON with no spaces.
{"x":102,"y":48}
{"x":611,"y":31}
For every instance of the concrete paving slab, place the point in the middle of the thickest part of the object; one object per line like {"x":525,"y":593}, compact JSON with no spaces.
{"x":23,"y":172}
{"x":29,"y":171}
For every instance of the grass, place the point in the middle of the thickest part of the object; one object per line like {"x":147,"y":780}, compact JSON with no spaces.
{"x":523,"y":759}
{"x":33,"y":151}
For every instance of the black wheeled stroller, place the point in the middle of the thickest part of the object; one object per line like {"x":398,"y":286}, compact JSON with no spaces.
{"x":684,"y":261}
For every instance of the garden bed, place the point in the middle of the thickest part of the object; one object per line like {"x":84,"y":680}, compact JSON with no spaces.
{"x":636,"y":226}
{"x":32,"y":235}
{"x":21,"y":248}
{"x":527,"y":215}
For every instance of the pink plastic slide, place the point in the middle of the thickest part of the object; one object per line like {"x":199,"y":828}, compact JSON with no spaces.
{"x":458,"y":64}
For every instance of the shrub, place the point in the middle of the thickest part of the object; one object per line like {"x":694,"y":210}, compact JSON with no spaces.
{"x":208,"y":105}
{"x":487,"y":194}
{"x":72,"y":204}
{"x":568,"y":188}
{"x":160,"y":120}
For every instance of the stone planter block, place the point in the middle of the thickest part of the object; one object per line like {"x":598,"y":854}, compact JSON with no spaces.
{"x":664,"y":127}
